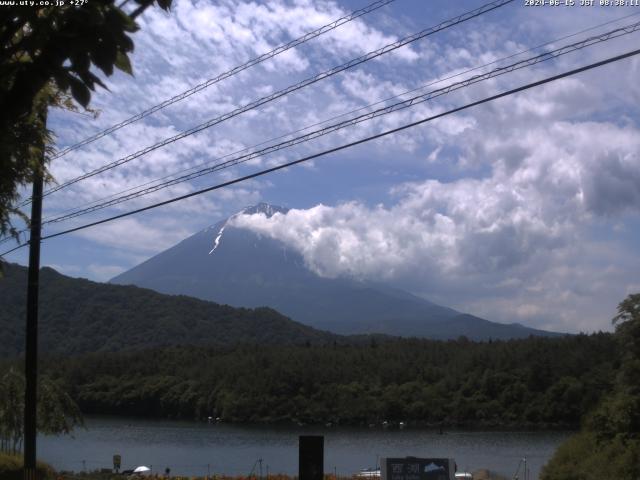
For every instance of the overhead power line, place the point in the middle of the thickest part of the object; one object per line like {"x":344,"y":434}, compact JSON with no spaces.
{"x":198,"y":170}
{"x":344,"y":146}
{"x":410,"y":102}
{"x":309,"y":81}
{"x":229,"y":73}
{"x":159,"y":181}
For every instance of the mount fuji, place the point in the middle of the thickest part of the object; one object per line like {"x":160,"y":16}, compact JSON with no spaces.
{"x":238,"y":267}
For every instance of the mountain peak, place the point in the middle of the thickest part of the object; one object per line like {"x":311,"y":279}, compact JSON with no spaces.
{"x":262,"y":207}
{"x":266,"y":208}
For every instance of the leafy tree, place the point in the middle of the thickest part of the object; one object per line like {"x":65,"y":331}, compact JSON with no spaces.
{"x":45,"y":53}
{"x":628,"y":333}
{"x":57,"y":412}
{"x":584,"y":457}
{"x":619,"y":415}
{"x":609,"y":445}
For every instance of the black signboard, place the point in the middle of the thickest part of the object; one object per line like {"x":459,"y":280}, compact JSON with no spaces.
{"x":311,"y":457}
{"x":413,"y":468}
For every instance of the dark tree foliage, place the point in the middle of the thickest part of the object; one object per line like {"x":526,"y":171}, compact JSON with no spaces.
{"x":48,"y":51}
{"x":609,"y":444}
{"x":419,"y":381}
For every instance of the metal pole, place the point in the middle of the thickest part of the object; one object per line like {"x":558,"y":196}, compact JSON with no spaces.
{"x":31,"y":346}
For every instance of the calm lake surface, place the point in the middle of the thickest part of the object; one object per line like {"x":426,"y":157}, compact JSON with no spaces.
{"x":191,"y":448}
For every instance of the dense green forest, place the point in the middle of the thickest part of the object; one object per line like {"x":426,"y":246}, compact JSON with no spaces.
{"x":164,"y":356}
{"x":79,"y":316}
{"x":537,"y":381}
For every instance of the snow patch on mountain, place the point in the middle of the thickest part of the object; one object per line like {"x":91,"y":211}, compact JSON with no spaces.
{"x":216,"y":242}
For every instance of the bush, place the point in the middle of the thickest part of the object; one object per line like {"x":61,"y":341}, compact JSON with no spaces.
{"x":11,"y":468}
{"x":583,"y":457}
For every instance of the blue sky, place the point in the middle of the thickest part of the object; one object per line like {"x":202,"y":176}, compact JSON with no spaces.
{"x":525,"y":209}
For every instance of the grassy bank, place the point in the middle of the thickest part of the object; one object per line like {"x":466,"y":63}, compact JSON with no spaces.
{"x":11,"y":468}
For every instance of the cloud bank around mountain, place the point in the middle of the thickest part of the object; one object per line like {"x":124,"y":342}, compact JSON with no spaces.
{"x":515,"y":241}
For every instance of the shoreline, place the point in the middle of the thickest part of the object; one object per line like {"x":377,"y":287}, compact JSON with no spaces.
{"x":409,"y":425}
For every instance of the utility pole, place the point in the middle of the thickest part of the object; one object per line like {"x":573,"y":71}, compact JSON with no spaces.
{"x":31,"y":346}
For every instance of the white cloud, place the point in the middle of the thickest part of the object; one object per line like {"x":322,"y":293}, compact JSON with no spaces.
{"x":135,"y":236}
{"x":65,"y":269}
{"x":104,"y":272}
{"x":197,"y":41}
{"x":548,"y":183}
{"x":501,"y":229}
{"x":542,"y":186}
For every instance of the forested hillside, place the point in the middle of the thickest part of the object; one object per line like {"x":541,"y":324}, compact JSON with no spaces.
{"x":78,"y":316}
{"x":518,"y":383}
{"x":172,"y":356}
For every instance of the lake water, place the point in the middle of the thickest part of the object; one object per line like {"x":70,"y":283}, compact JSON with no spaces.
{"x":191,"y":448}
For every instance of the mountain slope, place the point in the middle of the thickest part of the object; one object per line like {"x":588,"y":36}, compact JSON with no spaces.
{"x":235,"y":266}
{"x":78,"y":315}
